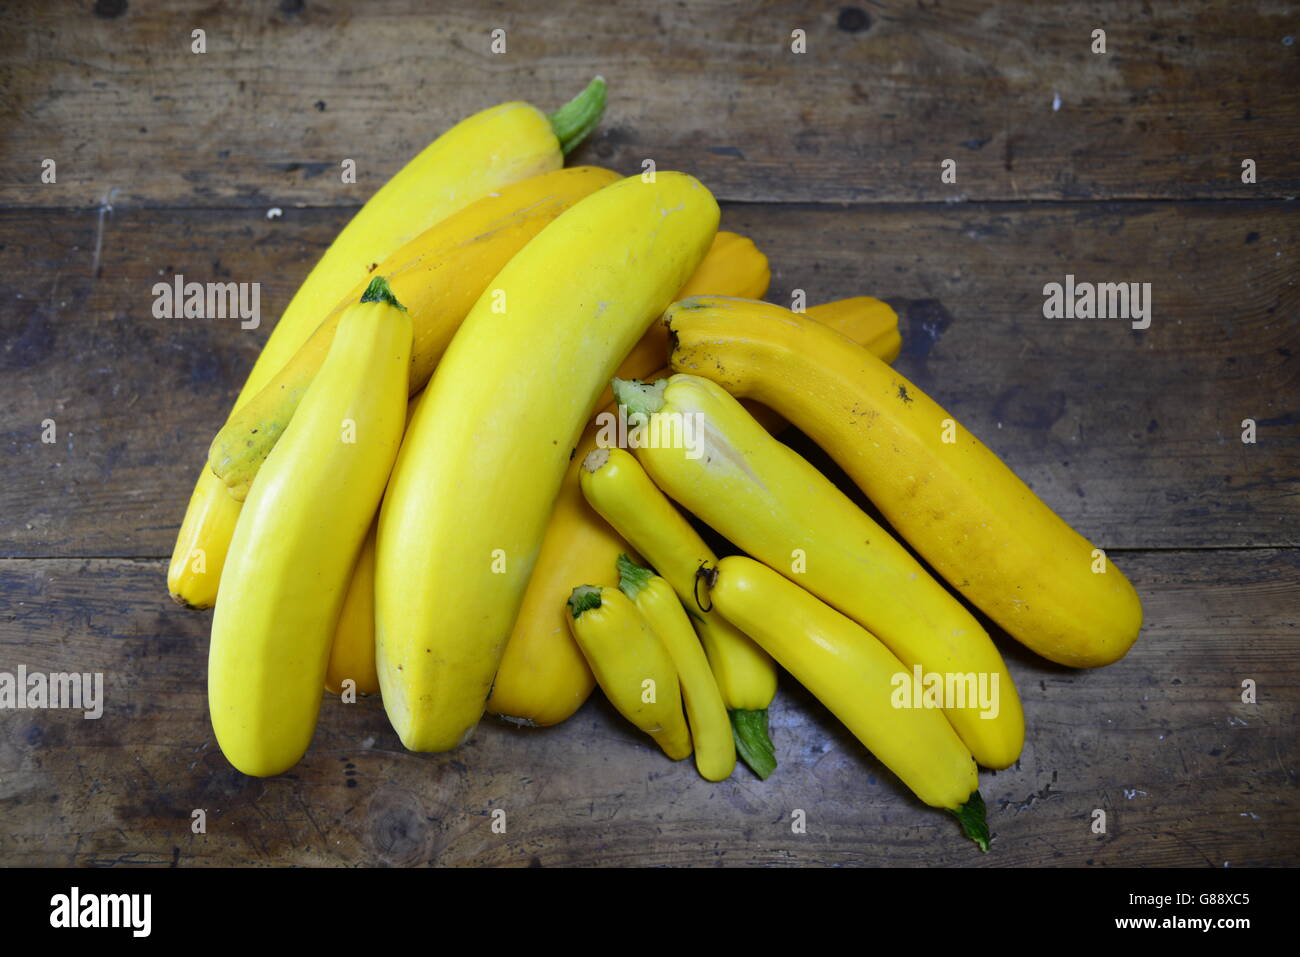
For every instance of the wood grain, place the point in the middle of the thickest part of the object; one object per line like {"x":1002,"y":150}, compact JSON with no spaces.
{"x":1134,"y":436}
{"x":885,"y":92}
{"x":1186,"y":773}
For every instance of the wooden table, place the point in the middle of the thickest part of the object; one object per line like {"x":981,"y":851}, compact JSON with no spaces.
{"x":1117,"y":167}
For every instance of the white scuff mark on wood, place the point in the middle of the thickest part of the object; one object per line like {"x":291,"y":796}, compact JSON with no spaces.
{"x":105,"y":207}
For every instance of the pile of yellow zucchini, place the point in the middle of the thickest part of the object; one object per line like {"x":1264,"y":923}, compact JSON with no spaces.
{"x":414,"y":496}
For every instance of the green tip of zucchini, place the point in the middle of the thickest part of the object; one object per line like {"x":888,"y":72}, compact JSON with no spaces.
{"x":974,"y":824}
{"x":639,"y":398}
{"x":753,"y":743}
{"x":632,"y":578}
{"x":380,"y":291}
{"x":584,"y":598}
{"x":576,"y":119}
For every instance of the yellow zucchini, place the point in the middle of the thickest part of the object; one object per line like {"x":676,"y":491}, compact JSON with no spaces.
{"x":654,"y":598}
{"x":486,"y":451}
{"x":856,"y":677}
{"x":971,"y":518}
{"x":621,"y":492}
{"x":297,"y":541}
{"x":631,"y":664}
{"x":774,"y":505}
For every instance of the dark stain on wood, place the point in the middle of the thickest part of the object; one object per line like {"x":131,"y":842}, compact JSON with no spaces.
{"x":1019,"y":407}
{"x":853,"y":20}
{"x":110,"y":9}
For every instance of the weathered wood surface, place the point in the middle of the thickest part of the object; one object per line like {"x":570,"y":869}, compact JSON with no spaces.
{"x":1186,"y":773}
{"x":1134,"y":436}
{"x":885,"y":92}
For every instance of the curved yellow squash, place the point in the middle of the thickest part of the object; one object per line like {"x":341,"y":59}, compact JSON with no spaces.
{"x":619,"y":489}
{"x":632,"y":665}
{"x":491,"y":149}
{"x":654,"y":598}
{"x":771,"y":503}
{"x":486,"y":451}
{"x":975,"y":522}
{"x":297,"y":541}
{"x":855,"y":676}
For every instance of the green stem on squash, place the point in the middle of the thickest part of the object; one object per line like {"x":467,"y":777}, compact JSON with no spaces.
{"x":380,"y":291}
{"x":639,"y":398}
{"x":584,"y":598}
{"x":575,"y":119}
{"x":974,"y":825}
{"x":753,"y":744}
{"x":632,"y":578}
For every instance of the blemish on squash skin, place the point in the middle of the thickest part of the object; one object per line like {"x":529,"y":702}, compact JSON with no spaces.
{"x":902,"y":393}
{"x":715,"y":441}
